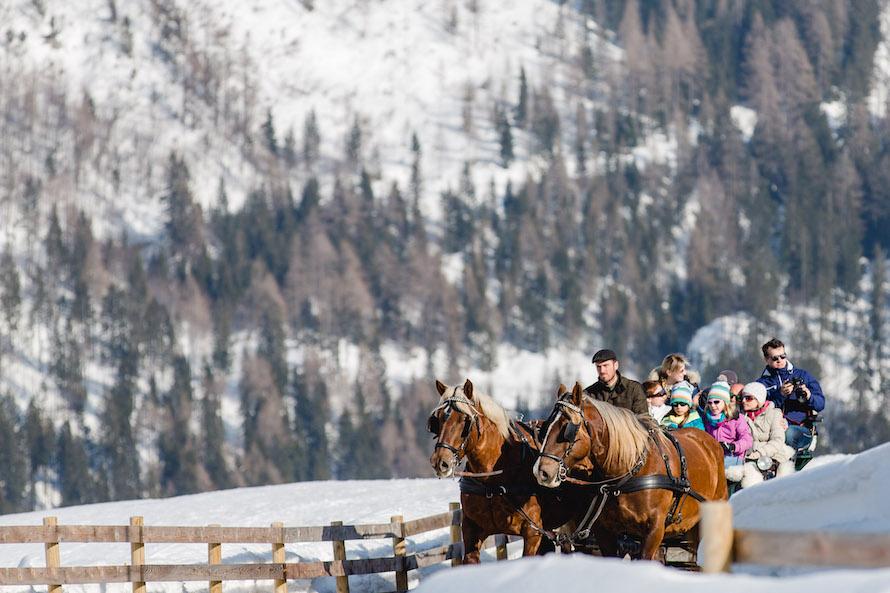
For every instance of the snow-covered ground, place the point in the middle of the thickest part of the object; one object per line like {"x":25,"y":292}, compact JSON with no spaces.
{"x":842,"y":493}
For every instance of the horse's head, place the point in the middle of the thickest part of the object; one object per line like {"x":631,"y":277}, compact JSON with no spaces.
{"x":454,"y":422}
{"x":565,"y":438}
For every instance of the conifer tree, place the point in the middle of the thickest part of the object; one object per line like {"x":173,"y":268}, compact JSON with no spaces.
{"x":213,"y":433}
{"x":269,"y":138}
{"x":505,"y":137}
{"x":76,"y":485}
{"x":118,"y":441}
{"x":311,"y":417}
{"x":177,"y":452}
{"x":521,"y":116}
{"x":311,"y":139}
{"x":13,"y":469}
{"x":10,"y":291}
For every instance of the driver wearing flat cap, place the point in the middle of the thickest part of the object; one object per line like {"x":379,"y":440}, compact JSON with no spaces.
{"x":612,"y":387}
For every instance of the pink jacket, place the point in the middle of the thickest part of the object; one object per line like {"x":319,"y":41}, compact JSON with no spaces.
{"x":731,"y":430}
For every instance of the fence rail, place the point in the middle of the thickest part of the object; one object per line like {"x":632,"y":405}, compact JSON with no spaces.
{"x":138,"y":572}
{"x":723,"y":545}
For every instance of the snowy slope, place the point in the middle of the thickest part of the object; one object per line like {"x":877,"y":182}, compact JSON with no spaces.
{"x":398,"y":66}
{"x":843,"y":493}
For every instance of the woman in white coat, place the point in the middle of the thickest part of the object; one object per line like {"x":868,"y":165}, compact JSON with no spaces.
{"x":768,"y":429}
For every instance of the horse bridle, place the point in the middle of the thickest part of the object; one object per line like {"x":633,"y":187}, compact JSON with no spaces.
{"x":571,"y":436}
{"x":471,"y":417}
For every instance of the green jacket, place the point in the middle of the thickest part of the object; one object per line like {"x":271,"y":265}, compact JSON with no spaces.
{"x":626,"y":393}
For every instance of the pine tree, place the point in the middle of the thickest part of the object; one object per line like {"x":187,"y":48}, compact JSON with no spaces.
{"x":311,"y":139}
{"x":269,"y":134}
{"x":10,"y":291}
{"x":354,"y":143}
{"x":13,"y":469}
{"x":77,"y":486}
{"x":289,"y":151}
{"x":39,"y":443}
{"x":308,"y":426}
{"x":521,"y":116}
{"x":118,"y":441}
{"x":505,"y":137}
{"x":177,"y":451}
{"x":213,"y":441}
{"x":416,"y":171}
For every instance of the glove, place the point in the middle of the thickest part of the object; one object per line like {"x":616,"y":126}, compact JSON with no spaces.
{"x":728,"y":448}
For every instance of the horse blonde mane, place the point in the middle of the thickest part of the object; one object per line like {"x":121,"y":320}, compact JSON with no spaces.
{"x":489,"y":408}
{"x":628,"y":436}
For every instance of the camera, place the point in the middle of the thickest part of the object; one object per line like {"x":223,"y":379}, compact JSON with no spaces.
{"x":797,"y":384}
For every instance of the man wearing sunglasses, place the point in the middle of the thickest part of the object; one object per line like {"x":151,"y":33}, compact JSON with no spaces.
{"x":792,"y":390}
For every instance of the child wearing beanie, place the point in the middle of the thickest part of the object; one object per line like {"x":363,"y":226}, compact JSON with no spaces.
{"x":682,"y":414}
{"x":721,"y":420}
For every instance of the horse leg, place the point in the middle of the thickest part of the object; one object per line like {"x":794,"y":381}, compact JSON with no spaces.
{"x":607,"y":542}
{"x":652,"y":542}
{"x":473,"y":537}
{"x":532,"y":541}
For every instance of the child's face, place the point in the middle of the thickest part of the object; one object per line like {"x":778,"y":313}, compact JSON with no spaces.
{"x":715,"y":406}
{"x":656,"y":399}
{"x":680,"y":409}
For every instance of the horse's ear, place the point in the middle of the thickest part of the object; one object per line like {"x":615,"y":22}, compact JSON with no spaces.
{"x":441,"y":387}
{"x":560,"y":391}
{"x":468,"y":389}
{"x":576,"y":394}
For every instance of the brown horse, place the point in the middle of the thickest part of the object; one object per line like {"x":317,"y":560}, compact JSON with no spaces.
{"x":499,"y":493}
{"x":642,"y":500}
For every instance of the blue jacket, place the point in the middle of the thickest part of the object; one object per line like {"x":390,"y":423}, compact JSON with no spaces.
{"x":795,"y":410}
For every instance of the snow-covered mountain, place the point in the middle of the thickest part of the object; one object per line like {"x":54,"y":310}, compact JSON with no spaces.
{"x":194,"y":77}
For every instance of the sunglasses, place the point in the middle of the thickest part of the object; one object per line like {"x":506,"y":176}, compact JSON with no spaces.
{"x":778,"y":357}
{"x":659,"y":394}
{"x":749,"y":398}
{"x":714,"y":402}
{"x":678,"y":404}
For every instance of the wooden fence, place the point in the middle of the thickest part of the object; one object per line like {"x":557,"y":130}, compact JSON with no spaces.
{"x":139,"y":572}
{"x":722,"y":545}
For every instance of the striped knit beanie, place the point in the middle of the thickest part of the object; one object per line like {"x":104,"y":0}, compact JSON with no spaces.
{"x":681,"y":393}
{"x":720,"y":390}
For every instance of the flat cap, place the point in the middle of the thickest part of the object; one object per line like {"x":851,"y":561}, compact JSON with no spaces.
{"x":603,"y":355}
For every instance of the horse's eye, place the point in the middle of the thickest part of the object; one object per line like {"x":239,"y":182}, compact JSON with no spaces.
{"x":568,"y":433}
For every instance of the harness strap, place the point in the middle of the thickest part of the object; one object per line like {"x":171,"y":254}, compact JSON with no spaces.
{"x":656,"y":482}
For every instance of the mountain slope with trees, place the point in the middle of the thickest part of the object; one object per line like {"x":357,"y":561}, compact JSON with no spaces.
{"x":206,"y":264}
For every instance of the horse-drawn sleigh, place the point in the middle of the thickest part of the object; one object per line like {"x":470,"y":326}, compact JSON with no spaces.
{"x":590,"y":469}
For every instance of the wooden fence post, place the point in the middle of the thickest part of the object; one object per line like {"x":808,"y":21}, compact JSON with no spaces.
{"x":500,"y":542}
{"x":400,"y":551}
{"x":137,"y":550}
{"x":716,"y":534}
{"x":53,"y":556}
{"x":340,"y":554}
{"x":214,"y":556}
{"x":455,"y":533}
{"x":278,"y":556}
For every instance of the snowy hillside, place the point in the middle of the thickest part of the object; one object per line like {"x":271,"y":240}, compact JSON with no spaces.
{"x":434,"y":68}
{"x":839,"y":494}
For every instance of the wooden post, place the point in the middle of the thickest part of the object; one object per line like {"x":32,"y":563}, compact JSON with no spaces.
{"x":137,"y":550}
{"x":400,"y":551}
{"x":455,"y":532}
{"x":278,"y":556}
{"x":500,"y":542}
{"x":340,"y":554}
{"x":214,"y":556}
{"x":716,"y":537}
{"x":53,"y":556}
